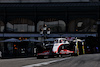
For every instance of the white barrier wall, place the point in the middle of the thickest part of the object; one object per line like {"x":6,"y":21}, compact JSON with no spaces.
{"x":22,"y":1}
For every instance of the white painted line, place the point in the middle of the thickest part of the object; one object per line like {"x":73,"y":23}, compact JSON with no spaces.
{"x":46,"y":63}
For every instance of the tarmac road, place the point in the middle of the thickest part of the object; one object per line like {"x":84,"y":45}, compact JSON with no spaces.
{"x":87,"y":60}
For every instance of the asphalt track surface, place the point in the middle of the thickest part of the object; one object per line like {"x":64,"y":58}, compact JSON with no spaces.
{"x":86,"y":60}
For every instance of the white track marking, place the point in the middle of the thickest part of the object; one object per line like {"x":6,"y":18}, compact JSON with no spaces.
{"x":46,"y":63}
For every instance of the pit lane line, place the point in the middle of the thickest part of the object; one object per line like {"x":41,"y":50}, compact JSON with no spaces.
{"x":46,"y":63}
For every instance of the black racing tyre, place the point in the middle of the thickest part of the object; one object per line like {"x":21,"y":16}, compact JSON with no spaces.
{"x":59,"y":56}
{"x":40,"y":57}
{"x":46,"y":57}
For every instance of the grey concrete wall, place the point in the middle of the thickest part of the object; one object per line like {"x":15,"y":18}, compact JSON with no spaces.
{"x":35,"y":0}
{"x":70,"y":0}
{"x":94,"y":0}
{"x":11,"y":1}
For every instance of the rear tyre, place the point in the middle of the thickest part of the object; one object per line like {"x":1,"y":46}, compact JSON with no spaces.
{"x":40,"y":57}
{"x":59,"y":56}
{"x":75,"y":54}
{"x":46,"y":57}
